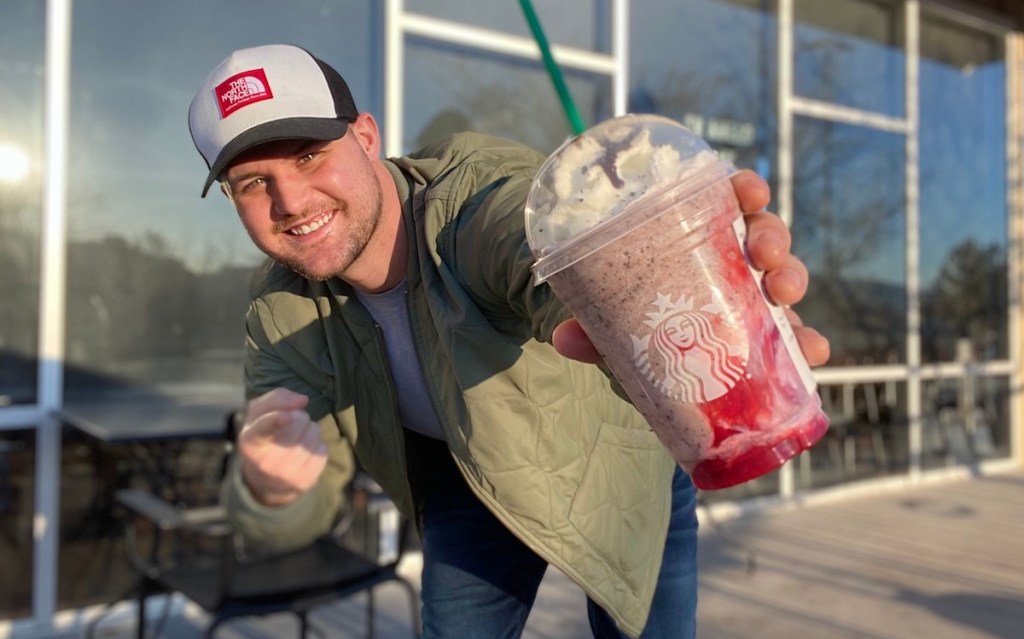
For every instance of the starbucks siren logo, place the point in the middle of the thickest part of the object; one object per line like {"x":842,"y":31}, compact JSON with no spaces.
{"x":694,"y":355}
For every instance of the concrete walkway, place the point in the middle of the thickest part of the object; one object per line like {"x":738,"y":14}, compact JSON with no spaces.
{"x":945,"y":561}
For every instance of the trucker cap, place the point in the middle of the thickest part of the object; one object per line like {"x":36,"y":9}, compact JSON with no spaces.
{"x":265,"y":94}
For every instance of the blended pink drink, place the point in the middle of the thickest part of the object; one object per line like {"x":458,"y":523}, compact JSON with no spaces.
{"x":638,"y":231}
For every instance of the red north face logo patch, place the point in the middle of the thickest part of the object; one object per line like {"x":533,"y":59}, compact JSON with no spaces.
{"x":242,"y":89}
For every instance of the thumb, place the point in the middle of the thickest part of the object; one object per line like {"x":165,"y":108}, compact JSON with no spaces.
{"x":276,"y":426}
{"x":275,"y":400}
{"x":571,"y":341}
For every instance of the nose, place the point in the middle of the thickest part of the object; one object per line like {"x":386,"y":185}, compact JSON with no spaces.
{"x":289,"y":195}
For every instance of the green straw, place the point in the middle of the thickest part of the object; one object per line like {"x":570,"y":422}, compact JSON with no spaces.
{"x":575,"y":121}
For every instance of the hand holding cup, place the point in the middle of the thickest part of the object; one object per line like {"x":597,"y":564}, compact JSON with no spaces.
{"x":768,"y":244}
{"x":678,"y":281}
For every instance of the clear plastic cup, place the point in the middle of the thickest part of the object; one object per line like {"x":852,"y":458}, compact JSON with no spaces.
{"x":635,"y":226}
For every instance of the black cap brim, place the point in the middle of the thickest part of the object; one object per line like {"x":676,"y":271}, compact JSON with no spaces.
{"x":286,"y":129}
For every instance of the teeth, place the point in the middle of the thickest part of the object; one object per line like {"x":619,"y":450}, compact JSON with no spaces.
{"x":306,"y":229}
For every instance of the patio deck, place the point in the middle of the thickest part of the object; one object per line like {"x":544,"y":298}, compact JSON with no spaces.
{"x":942,"y":561}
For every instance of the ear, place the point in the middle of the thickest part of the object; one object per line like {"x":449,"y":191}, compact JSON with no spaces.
{"x":367,"y":134}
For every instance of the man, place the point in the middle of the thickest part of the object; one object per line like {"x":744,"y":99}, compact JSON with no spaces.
{"x":397,"y":320}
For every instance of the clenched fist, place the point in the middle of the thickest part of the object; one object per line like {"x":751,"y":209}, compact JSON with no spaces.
{"x":280,"y":448}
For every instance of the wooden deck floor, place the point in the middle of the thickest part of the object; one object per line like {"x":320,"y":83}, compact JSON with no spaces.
{"x":944,"y":561}
{"x":938,"y":562}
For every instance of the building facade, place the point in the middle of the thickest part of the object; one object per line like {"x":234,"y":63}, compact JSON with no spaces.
{"x":890,"y":131}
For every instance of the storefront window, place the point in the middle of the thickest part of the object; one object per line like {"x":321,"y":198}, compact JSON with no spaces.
{"x":158,"y":278}
{"x":850,"y":52}
{"x":22,"y":50}
{"x":450,"y":89}
{"x":17,"y":497}
{"x":723,"y":88}
{"x":21,"y":196}
{"x":966,"y":420}
{"x":964,"y":272}
{"x":583,"y":24}
{"x":868,"y":435}
{"x":849,"y":228}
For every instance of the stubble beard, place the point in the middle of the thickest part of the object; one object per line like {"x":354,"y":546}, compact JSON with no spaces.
{"x":351,"y":246}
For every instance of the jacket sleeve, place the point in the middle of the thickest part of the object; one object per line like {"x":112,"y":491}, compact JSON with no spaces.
{"x":278,"y":529}
{"x":494,"y":258}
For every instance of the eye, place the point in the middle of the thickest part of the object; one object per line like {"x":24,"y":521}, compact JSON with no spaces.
{"x":307,"y":158}
{"x":251,"y":186}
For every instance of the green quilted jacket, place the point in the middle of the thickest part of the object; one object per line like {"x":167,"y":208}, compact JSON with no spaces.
{"x":545,"y":442}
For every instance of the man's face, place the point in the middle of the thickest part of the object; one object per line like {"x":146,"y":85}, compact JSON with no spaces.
{"x":312,"y":206}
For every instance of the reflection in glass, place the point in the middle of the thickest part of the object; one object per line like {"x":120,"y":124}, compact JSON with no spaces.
{"x":158,"y":278}
{"x":21,"y":155}
{"x":964,"y":273}
{"x":17,"y":504}
{"x":850,"y":52}
{"x":966,"y":420}
{"x":584,"y":24}
{"x":849,"y":228}
{"x":93,"y":566}
{"x":720,"y":87}
{"x":868,"y":435}
{"x":449,"y":89}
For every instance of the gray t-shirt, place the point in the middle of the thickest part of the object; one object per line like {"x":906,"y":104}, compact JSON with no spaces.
{"x":415,"y":408}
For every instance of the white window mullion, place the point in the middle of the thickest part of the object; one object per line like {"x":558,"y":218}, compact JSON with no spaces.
{"x":846,"y":115}
{"x":912,"y":26}
{"x":1015,"y":225}
{"x":394,"y":79}
{"x":620,"y":55}
{"x":498,"y":42}
{"x":784,"y":162}
{"x":51,"y":309}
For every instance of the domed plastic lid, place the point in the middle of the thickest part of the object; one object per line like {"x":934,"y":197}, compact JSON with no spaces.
{"x":577,"y":200}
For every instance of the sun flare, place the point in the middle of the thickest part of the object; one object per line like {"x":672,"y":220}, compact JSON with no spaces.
{"x":14,"y":163}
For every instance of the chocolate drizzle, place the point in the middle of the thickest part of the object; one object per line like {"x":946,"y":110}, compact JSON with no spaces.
{"x":612,"y":150}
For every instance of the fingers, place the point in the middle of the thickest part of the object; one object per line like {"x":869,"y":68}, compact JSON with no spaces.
{"x":270,"y":412}
{"x":814,"y":345}
{"x":282,"y":452}
{"x":751,"y":191}
{"x":786,"y":283}
{"x":768,"y":240}
{"x":768,"y":244}
{"x":277,"y":399}
{"x":282,"y":429}
{"x":571,"y":341}
{"x":286,"y":427}
{"x":296,"y":444}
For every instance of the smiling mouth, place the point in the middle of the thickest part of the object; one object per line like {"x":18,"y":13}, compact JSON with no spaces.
{"x":309,"y":227}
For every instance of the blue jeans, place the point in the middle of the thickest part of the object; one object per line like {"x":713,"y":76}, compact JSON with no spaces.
{"x":480,"y":581}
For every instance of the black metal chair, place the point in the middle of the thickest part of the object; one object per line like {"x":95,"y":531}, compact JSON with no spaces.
{"x":204,"y":565}
{"x":195,"y":552}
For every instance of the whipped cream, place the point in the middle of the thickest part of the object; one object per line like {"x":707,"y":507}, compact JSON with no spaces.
{"x":597,"y":175}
